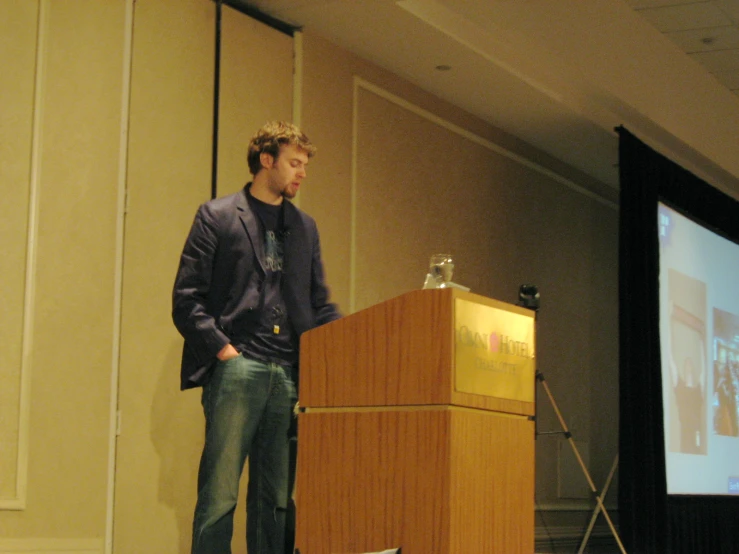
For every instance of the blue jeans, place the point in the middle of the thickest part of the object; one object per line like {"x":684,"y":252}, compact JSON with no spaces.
{"x":248,"y":406}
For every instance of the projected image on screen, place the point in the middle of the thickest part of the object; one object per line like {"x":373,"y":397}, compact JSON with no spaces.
{"x":699,"y":335}
{"x":686,"y":361}
{"x":725,"y":373}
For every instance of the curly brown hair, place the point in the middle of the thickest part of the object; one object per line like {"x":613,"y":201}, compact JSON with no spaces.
{"x":269,"y":139}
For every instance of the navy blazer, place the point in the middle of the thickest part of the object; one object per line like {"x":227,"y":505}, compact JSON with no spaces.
{"x":218,"y":289}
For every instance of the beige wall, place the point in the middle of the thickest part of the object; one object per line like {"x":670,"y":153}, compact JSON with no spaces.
{"x":398,"y":175}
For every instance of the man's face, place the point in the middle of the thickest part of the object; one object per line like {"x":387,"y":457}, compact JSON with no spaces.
{"x":285,"y":173}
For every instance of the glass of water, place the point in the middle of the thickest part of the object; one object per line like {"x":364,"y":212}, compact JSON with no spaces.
{"x":441,"y":269}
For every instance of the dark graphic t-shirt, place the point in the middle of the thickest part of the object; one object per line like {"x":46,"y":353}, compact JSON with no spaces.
{"x":274,"y":339}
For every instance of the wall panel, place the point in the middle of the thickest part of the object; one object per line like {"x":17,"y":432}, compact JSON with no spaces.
{"x":168,"y":176}
{"x":256,"y":86}
{"x":18,"y":48}
{"x":69,"y":336}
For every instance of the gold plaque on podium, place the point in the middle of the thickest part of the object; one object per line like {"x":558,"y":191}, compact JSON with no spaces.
{"x":494,"y":351}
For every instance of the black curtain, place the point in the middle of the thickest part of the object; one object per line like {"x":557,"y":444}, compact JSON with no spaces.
{"x":650,"y":520}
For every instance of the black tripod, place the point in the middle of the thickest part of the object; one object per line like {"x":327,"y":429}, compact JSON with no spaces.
{"x":528,"y":297}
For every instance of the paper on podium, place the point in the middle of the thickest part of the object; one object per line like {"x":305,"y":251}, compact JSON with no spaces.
{"x":432,"y":283}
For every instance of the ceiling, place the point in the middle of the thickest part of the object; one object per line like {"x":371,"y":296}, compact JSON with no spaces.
{"x":708,"y":31}
{"x":517,"y":64}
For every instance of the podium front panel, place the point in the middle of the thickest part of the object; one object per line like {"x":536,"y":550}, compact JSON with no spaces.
{"x":441,"y":480}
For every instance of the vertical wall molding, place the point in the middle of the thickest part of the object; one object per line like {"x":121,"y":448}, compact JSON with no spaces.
{"x":216,"y":98}
{"x":120,"y":235}
{"x":353,"y":207}
{"x":297,"y":78}
{"x":18,"y":502}
{"x":297,"y":87}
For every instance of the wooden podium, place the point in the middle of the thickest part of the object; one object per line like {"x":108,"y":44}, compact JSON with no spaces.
{"x":415,"y":429}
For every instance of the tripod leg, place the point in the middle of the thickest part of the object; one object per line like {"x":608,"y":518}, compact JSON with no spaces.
{"x":568,"y":435}
{"x":597,"y":508}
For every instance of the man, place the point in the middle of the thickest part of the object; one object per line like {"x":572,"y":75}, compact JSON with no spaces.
{"x":250,"y":281}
